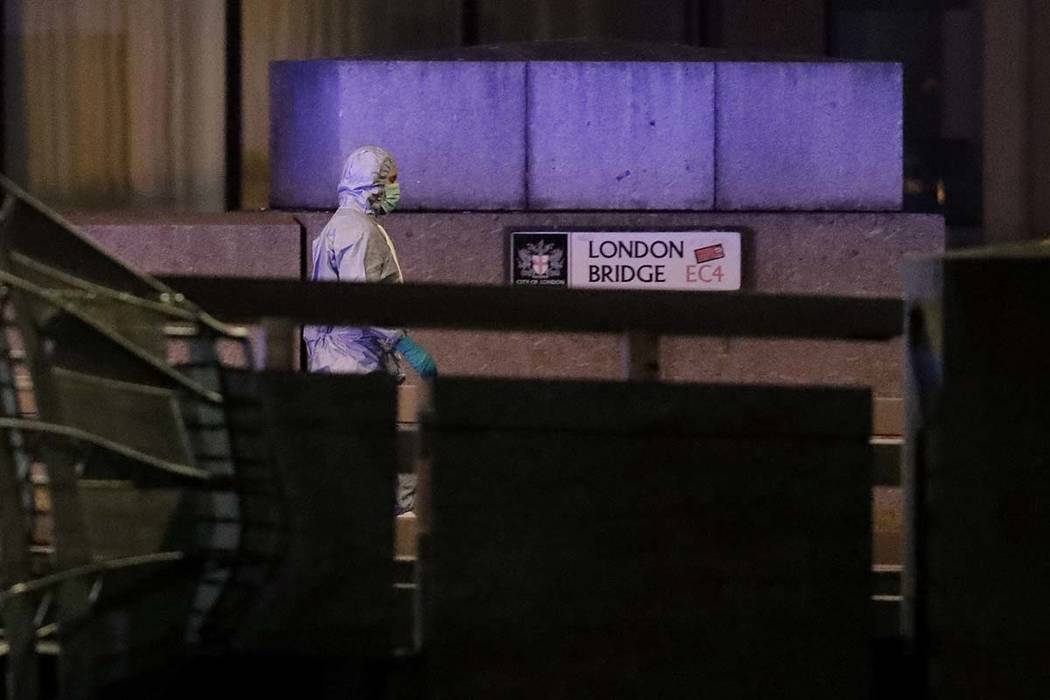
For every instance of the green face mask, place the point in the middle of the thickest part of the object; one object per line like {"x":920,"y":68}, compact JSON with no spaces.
{"x":391,"y":197}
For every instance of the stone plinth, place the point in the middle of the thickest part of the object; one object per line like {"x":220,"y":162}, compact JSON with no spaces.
{"x":809,"y":136}
{"x":626,"y":128}
{"x":606,"y":135}
{"x":455,"y":129}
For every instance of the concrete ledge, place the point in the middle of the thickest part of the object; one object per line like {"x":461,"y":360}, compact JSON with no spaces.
{"x":239,"y":244}
{"x":845,"y":253}
{"x":789,"y":253}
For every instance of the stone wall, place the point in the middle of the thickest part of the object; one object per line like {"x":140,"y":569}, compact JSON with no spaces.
{"x":844,"y":254}
{"x":813,"y":253}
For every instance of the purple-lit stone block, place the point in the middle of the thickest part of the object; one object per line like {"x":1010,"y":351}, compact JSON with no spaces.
{"x":621,"y":135}
{"x":305,"y":149}
{"x":457,"y":129}
{"x":819,"y":136}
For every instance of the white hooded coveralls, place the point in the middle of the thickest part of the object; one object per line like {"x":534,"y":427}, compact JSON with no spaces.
{"x":352,"y":247}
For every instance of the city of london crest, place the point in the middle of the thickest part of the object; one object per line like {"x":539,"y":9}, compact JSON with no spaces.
{"x":540,"y":260}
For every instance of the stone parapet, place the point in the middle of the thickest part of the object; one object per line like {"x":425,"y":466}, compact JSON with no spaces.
{"x":799,"y":253}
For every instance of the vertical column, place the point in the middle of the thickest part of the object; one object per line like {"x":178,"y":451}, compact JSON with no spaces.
{"x":12,"y":93}
{"x":1016,"y":120}
{"x":1039,"y":117}
{"x":3,"y":80}
{"x":282,"y":339}
{"x":1006,"y":162}
{"x":641,"y":356}
{"x":233,"y":105}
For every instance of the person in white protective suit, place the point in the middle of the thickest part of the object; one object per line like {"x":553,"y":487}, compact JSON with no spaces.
{"x":353,"y":247}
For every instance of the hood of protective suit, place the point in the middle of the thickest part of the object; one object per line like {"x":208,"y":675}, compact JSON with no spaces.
{"x":362,"y":184}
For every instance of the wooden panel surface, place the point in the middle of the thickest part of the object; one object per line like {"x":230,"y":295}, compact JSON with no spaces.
{"x":576,"y":561}
{"x":718,"y":410}
{"x":888,"y":416}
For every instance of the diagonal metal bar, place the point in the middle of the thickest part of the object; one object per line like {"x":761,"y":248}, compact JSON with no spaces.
{"x":15,"y":196}
{"x":101,"y":567}
{"x":105,"y":292}
{"x":76,"y":434}
{"x":162,"y":367}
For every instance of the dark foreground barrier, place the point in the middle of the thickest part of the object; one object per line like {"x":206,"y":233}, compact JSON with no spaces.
{"x":332,"y":441}
{"x":666,"y":529}
{"x":110,"y":379}
{"x":977,"y":474}
{"x":159,"y":500}
{"x":646,"y":540}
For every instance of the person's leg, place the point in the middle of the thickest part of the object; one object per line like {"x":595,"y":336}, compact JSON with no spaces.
{"x":405,"y":498}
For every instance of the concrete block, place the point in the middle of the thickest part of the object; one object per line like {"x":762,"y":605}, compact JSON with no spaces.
{"x":784,"y":253}
{"x":240,"y":244}
{"x":305,"y":150}
{"x":621,"y":135}
{"x":815,"y":135}
{"x":457,"y":129}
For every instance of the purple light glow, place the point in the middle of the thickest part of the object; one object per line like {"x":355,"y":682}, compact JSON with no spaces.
{"x":685,"y":135}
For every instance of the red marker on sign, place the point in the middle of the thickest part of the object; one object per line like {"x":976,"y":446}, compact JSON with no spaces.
{"x":709,"y":253}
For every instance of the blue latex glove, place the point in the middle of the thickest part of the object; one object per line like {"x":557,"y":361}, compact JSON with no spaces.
{"x":416,"y":356}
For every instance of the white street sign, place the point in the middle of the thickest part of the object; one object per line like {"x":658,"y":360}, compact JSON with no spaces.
{"x":685,"y":260}
{"x":692,"y":260}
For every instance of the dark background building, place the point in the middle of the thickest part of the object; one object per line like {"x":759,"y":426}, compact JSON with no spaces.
{"x":112,"y":104}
